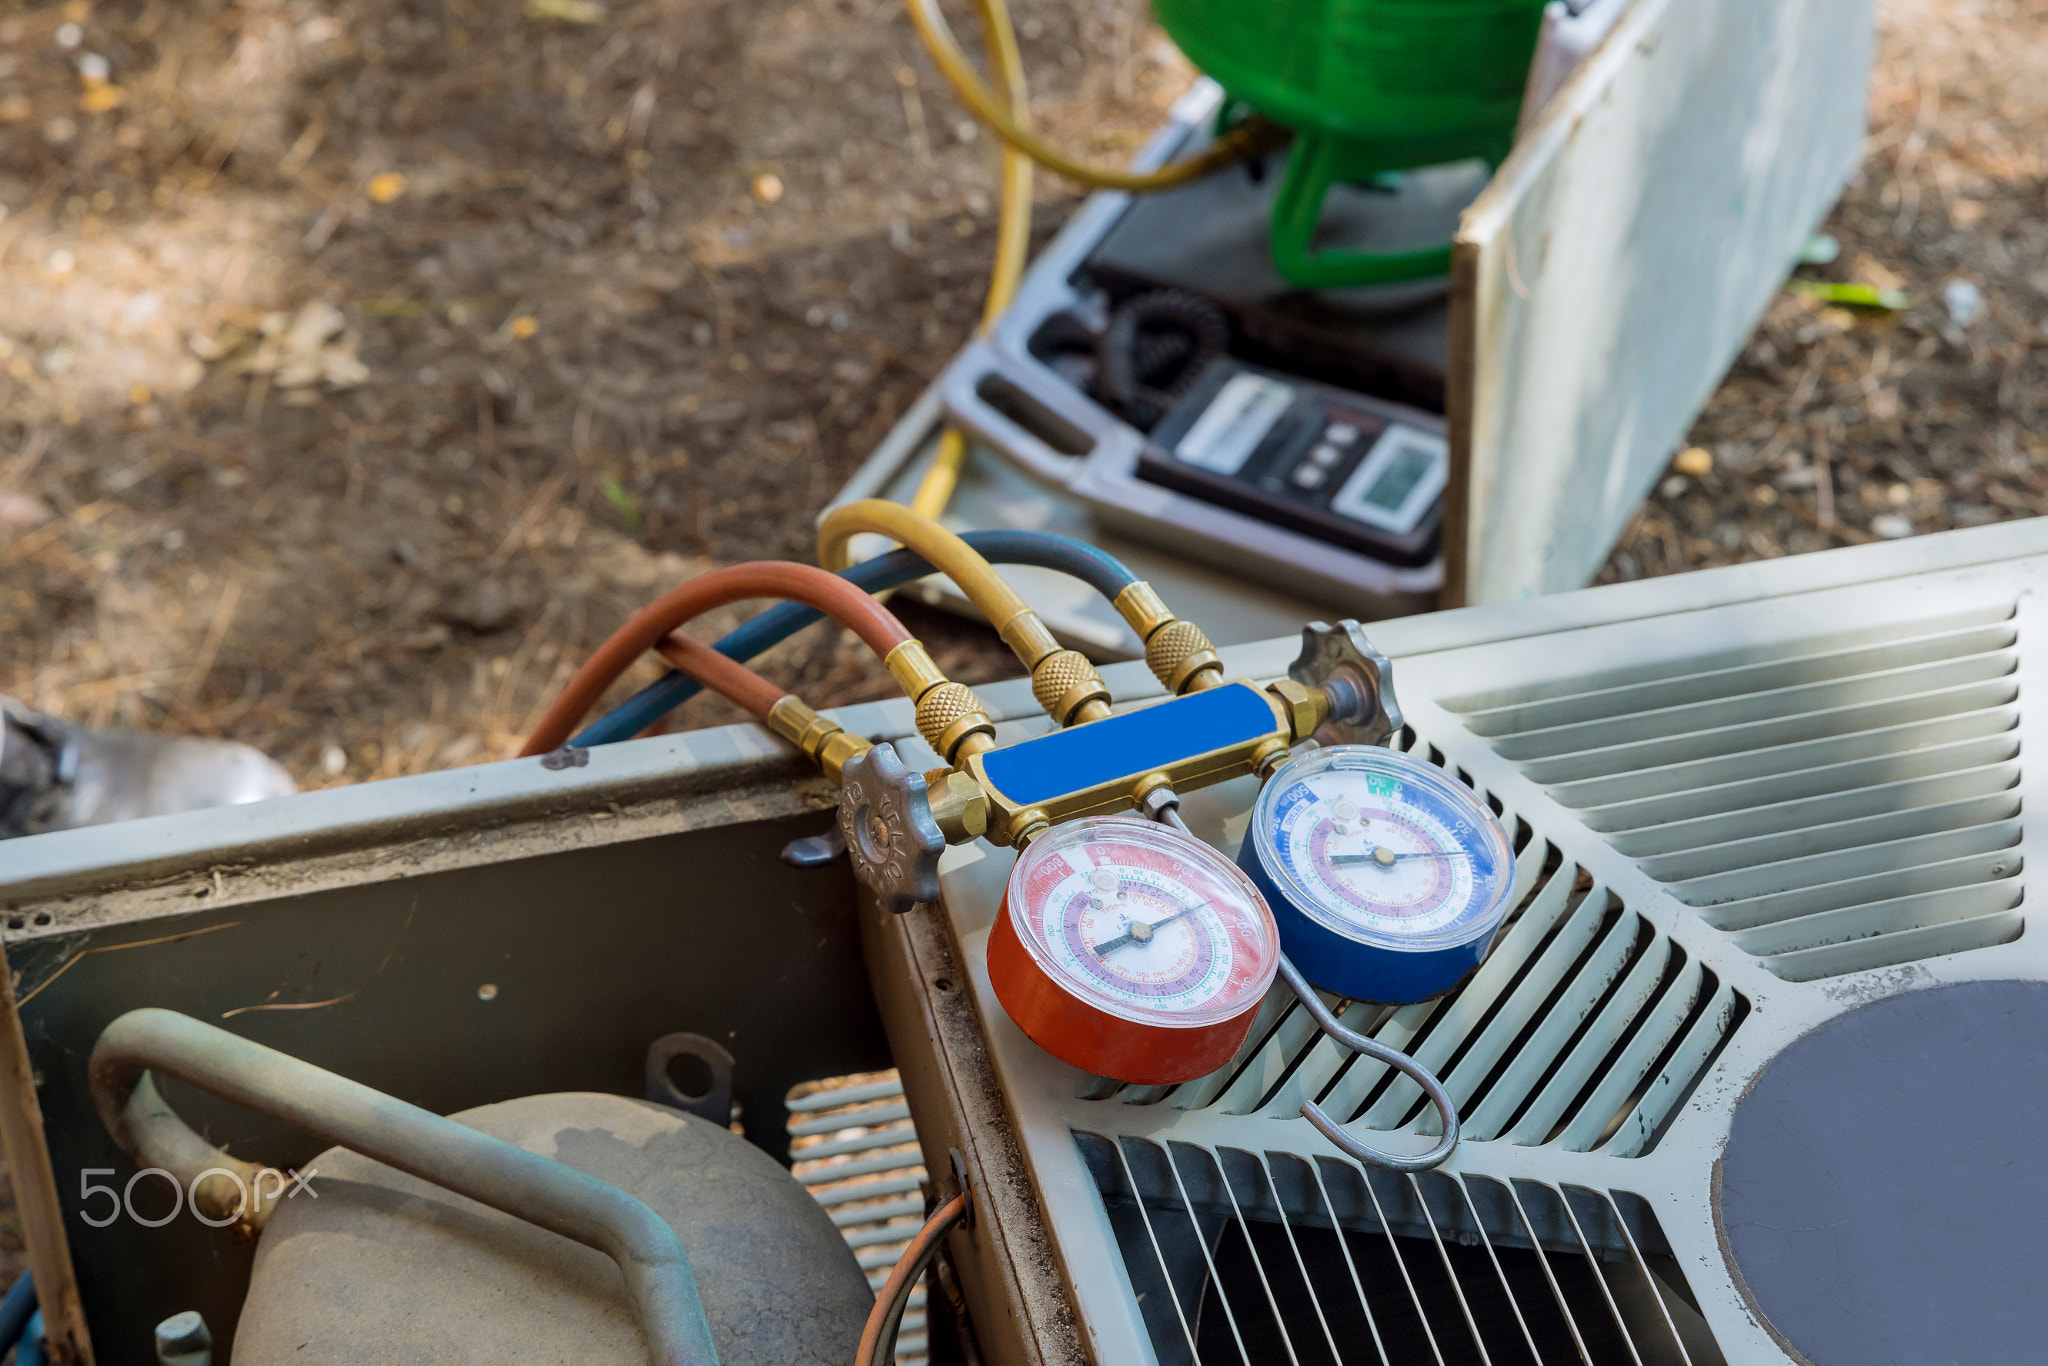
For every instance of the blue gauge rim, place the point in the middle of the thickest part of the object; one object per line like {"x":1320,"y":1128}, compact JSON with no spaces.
{"x":1360,"y":971}
{"x":1286,"y":890}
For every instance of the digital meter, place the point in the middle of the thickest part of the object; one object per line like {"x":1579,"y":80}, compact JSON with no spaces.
{"x":1132,"y":951}
{"x":1387,"y":877}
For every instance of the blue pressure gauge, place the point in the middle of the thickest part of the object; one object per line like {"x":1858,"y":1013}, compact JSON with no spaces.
{"x":1388,"y":877}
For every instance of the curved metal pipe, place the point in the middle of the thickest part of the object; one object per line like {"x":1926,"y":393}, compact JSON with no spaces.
{"x":1392,"y":1057}
{"x":1166,"y":808}
{"x":659,"y":1284}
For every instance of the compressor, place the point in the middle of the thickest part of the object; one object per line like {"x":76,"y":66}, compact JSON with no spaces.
{"x":457,"y":1239}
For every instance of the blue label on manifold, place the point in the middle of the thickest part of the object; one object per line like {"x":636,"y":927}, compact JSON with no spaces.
{"x":1129,"y":744}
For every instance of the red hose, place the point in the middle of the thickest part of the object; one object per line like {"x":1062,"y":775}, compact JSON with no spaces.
{"x":803,"y":583}
{"x":729,"y":678}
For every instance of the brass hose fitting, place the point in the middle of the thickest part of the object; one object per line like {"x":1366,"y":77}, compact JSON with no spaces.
{"x":951,"y":719}
{"x":826,"y":743}
{"x":1067,"y":686}
{"x":1064,"y":681}
{"x":958,"y":804}
{"x":1014,"y":621}
{"x":1178,"y":652}
{"x":949,"y":715}
{"x":1306,"y":707}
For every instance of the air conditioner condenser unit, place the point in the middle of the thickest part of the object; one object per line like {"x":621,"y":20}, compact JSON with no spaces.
{"x":1751,"y":1074}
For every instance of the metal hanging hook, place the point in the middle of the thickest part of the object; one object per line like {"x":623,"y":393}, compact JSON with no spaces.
{"x":1162,"y":805}
{"x":1392,"y":1057}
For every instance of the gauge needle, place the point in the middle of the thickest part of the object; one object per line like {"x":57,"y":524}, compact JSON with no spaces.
{"x":1139,"y":932}
{"x":1385,"y":856}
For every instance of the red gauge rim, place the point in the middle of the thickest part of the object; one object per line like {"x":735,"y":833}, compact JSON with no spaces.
{"x":1056,"y":1015}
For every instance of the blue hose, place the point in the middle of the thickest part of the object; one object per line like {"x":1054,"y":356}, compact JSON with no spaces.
{"x":15,"y":1310}
{"x":1099,"y":570}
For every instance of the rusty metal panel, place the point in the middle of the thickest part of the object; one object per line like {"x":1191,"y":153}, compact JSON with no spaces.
{"x":456,"y":939}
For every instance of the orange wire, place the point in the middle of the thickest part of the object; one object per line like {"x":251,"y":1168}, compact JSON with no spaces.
{"x":916,"y":1257}
{"x":803,"y":583}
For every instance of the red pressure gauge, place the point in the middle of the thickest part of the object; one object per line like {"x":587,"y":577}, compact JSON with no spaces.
{"x":1132,"y":951}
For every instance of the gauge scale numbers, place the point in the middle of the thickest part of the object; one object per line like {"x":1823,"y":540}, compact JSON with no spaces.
{"x":1126,"y":945}
{"x":1388,"y":878}
{"x":1136,"y":934}
{"x":1405,"y":864}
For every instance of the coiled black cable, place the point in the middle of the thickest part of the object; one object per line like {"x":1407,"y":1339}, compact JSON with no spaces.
{"x":1155,"y":347}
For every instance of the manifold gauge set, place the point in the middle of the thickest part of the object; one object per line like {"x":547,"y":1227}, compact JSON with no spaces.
{"x":1130,"y":949}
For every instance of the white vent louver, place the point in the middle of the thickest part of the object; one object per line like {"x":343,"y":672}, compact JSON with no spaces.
{"x":854,"y":1148}
{"x":1835,"y":804}
{"x":1743,"y":807}
{"x":1585,"y":1026}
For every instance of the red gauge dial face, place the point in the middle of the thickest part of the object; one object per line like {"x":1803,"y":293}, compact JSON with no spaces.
{"x":1143,"y":923}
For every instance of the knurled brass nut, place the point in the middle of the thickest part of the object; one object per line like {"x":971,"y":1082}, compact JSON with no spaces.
{"x":947,"y":746}
{"x":1177,"y":652}
{"x":1064,"y":681}
{"x":1201,"y":662}
{"x":942,"y":706}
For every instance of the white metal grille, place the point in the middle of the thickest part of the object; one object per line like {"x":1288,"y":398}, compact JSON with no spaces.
{"x":1742,"y":804}
{"x":1273,"y":1257}
{"x":1585,"y":1027}
{"x":1845,"y":803}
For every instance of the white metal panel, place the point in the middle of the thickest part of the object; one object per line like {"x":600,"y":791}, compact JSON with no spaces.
{"x":1611,"y":271}
{"x":1601,"y":1048}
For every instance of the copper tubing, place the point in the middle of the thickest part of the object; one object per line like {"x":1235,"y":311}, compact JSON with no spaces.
{"x":878,"y":1340}
{"x":807,"y":584}
{"x":658,"y":1280}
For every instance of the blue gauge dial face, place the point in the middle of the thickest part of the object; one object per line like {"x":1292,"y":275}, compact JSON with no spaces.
{"x":1384,"y":848}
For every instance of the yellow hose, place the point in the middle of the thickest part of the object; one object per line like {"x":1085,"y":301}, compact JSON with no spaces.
{"x":1247,"y":141}
{"x":1062,"y":680}
{"x":950,"y":555}
{"x":1013,"y":242}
